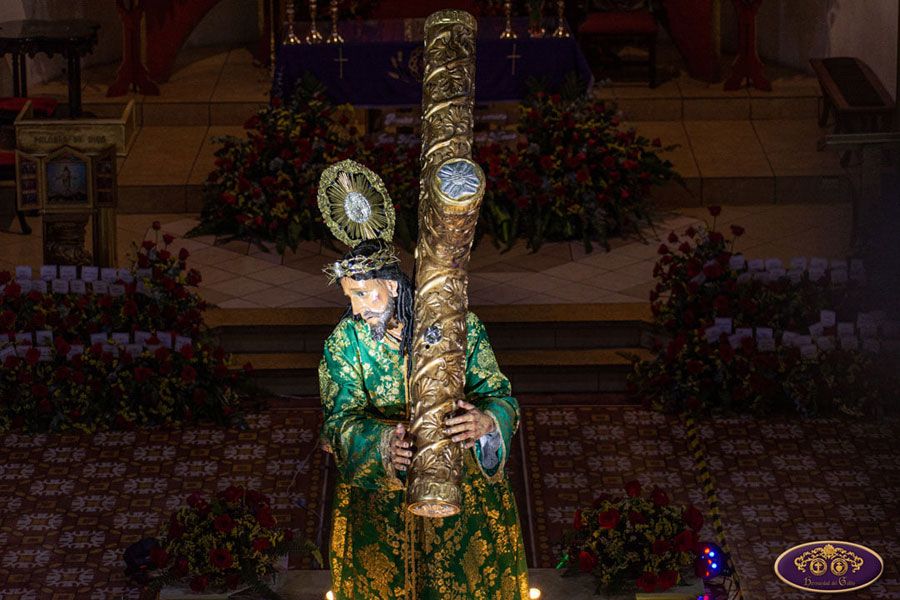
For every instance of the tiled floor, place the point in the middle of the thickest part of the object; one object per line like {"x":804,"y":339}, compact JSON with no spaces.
{"x":70,"y":503}
{"x":241,"y":276}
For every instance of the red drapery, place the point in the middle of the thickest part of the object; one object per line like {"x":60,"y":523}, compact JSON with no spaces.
{"x":695,"y":29}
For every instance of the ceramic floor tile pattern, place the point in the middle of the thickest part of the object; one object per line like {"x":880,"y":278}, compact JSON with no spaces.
{"x":70,"y":503}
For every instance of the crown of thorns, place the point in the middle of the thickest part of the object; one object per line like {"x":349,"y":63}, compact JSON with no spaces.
{"x":358,"y":265}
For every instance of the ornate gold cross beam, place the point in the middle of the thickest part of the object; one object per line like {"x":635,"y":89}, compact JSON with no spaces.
{"x":451,"y":189}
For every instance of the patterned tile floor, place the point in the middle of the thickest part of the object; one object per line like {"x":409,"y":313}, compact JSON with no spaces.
{"x":70,"y":503}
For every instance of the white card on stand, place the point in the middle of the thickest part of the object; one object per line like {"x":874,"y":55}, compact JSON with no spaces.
{"x":765,"y":344}
{"x":845,"y":329}
{"x":39,"y":285}
{"x":43,"y":338}
{"x":76,"y":286}
{"x":109,"y":274}
{"x":23,"y":272}
{"x":75,"y":350}
{"x":100,"y":287}
{"x":756,"y":264}
{"x":725,"y":324}
{"x":828,"y":318}
{"x":68,"y":272}
{"x":60,"y":286}
{"x":89,"y":273}
{"x":798,"y":262}
{"x":48,"y":272}
{"x":737,"y":262}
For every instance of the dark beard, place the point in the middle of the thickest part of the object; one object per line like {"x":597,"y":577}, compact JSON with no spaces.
{"x":384,"y":318}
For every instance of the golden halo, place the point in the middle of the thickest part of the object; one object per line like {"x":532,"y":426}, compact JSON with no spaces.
{"x":355,"y":204}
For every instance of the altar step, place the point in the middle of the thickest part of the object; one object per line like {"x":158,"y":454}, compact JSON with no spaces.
{"x":314,"y":584}
{"x":579,"y":348}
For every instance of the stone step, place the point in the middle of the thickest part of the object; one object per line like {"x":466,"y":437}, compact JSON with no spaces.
{"x":314,"y":584}
{"x":511,"y":327}
{"x":530,"y":371}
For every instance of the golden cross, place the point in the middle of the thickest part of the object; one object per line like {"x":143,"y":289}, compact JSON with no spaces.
{"x":340,"y":60}
{"x":514,"y":56}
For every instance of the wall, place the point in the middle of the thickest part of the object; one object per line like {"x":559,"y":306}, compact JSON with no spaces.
{"x":790,"y":32}
{"x":230,"y":22}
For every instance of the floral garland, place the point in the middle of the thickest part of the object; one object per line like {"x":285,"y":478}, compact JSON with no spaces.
{"x":174,"y":372}
{"x":633,"y":542}
{"x":220,"y":543}
{"x":727,"y":337}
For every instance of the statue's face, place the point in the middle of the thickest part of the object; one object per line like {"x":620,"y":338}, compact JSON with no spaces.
{"x":371,"y":299}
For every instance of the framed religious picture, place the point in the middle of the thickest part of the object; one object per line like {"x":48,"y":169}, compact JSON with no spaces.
{"x":28,"y":178}
{"x":67,"y":181}
{"x":105,"y":185}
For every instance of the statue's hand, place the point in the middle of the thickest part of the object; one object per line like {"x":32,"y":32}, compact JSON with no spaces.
{"x":470,"y":425}
{"x":401,"y":453}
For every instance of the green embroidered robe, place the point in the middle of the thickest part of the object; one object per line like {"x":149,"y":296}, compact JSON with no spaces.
{"x":378,"y":549}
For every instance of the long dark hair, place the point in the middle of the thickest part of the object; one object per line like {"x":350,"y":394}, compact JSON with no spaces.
{"x":403,"y":303}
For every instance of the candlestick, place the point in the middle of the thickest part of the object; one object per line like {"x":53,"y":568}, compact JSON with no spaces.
{"x":335,"y":37}
{"x":508,"y":33}
{"x":536,"y":17}
{"x":290,"y":36}
{"x":561,"y":30}
{"x":314,"y":36}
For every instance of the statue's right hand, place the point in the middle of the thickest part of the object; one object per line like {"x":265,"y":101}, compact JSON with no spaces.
{"x":401,"y":452}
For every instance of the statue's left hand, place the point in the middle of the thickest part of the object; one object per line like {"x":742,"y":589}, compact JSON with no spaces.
{"x":469,"y":426}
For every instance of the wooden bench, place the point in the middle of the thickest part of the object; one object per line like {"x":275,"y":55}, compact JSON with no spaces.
{"x":852,"y":91}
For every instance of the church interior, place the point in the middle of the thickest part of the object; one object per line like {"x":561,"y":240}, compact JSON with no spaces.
{"x":686,"y":261}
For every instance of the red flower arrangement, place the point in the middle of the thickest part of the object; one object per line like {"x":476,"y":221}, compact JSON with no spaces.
{"x":51,"y":387}
{"x":224,"y":542}
{"x":648,"y":550}
{"x":700,"y":368}
{"x":574,"y":174}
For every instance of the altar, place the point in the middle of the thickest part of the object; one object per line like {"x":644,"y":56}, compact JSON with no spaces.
{"x":380,"y":62}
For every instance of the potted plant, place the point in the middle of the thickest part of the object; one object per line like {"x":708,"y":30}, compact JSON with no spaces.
{"x":219,"y":546}
{"x":635,"y":544}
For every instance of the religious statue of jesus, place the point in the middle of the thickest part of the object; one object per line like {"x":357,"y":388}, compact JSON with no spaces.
{"x":378,"y":549}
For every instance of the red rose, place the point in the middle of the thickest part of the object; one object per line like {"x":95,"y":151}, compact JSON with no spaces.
{"x":659,"y":497}
{"x":586,"y":561}
{"x":168,"y":238}
{"x":39,"y":390}
{"x":546,"y":162}
{"x":32,"y":355}
{"x":183,"y":254}
{"x":193,"y":277}
{"x":288,"y":535}
{"x":577,"y":523}
{"x":661,"y":546}
{"x":187,"y":351}
{"x":159,"y":556}
{"x":693,"y":518}
{"x":199,"y":583}
{"x":196,"y":500}
{"x":656,"y":143}
{"x":156,"y":226}
{"x":223,"y":523}
{"x":220,"y":558}
{"x":646,"y":582}
{"x":737,"y":230}
{"x":663,"y":249}
{"x":232,"y":493}
{"x":685,"y":541}
{"x":261,"y":544}
{"x":265,"y":518}
{"x":715,"y":210}
{"x":633,"y":488}
{"x":180,"y":568}
{"x":188,"y":374}
{"x":608,"y":518}
{"x":666,"y":580}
